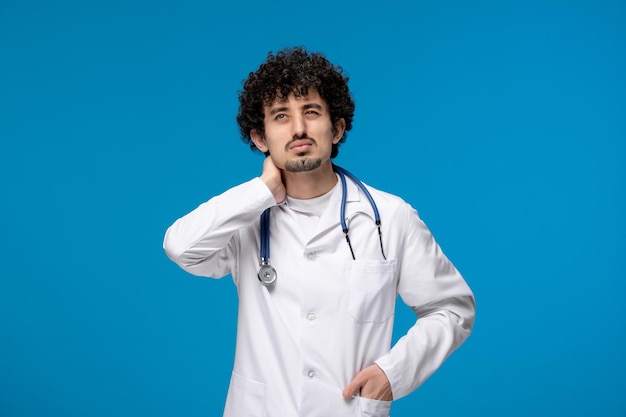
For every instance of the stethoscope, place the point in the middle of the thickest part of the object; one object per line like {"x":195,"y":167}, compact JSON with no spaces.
{"x":267,"y":274}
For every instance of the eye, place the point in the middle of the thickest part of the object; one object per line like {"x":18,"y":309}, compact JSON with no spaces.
{"x":280,"y":116}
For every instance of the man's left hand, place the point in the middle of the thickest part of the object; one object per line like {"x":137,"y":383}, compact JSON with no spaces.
{"x":373,"y":384}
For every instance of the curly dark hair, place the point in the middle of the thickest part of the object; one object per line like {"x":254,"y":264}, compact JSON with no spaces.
{"x":293,"y":70}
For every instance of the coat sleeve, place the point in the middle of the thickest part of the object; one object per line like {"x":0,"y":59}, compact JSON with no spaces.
{"x":205,"y":242}
{"x":444,"y":304}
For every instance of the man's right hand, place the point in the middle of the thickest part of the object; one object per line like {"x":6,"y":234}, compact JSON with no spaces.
{"x":272,"y":177}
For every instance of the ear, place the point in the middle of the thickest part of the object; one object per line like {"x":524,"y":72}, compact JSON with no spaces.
{"x":259,"y":140}
{"x":340,"y":127}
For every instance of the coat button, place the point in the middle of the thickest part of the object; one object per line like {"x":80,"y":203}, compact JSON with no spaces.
{"x":311,"y":256}
{"x":311,"y":317}
{"x":311,"y":374}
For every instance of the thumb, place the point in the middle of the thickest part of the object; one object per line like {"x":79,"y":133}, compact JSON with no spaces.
{"x":353,"y":387}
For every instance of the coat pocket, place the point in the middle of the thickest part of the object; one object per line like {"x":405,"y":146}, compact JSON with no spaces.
{"x":246,"y":397}
{"x":372,"y":408}
{"x":372,"y":290}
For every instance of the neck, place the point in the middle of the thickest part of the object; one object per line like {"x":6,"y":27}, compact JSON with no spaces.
{"x":310,"y":184}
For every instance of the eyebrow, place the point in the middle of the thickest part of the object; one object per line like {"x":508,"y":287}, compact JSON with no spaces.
{"x":277,"y":110}
{"x":305,"y":107}
{"x":312,"y":106}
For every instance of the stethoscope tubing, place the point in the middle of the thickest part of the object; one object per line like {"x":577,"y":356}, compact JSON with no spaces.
{"x":267,"y":274}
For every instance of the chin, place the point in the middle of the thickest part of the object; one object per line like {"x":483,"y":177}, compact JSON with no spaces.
{"x":303,"y":164}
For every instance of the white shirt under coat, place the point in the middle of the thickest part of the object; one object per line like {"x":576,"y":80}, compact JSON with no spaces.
{"x":300,"y":342}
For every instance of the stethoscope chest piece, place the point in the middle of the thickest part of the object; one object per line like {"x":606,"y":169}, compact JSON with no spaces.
{"x":267,"y":274}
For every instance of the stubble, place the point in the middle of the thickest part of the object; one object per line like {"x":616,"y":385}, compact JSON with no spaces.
{"x":303,"y":165}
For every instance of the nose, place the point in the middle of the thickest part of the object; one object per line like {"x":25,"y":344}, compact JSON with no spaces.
{"x":299,"y":126}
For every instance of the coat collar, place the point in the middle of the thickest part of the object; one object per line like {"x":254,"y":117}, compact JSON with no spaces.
{"x":355,"y":202}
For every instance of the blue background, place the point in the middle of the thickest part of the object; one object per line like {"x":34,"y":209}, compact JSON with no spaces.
{"x":502,"y":122}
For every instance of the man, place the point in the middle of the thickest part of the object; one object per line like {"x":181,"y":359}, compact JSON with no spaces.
{"x":316,"y":342}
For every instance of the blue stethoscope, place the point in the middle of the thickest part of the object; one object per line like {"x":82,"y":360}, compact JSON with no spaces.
{"x":267,"y":274}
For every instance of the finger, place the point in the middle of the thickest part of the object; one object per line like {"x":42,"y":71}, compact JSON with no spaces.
{"x":351,"y":389}
{"x":268,"y":164}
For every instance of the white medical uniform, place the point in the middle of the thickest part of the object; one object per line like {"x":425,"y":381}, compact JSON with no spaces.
{"x":300,"y":342}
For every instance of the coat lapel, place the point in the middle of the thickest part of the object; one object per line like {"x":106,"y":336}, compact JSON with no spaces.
{"x":330,"y":216}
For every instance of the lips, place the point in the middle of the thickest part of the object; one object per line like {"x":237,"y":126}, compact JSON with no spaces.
{"x":301,"y":145}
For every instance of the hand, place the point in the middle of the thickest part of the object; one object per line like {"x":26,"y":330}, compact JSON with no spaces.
{"x":373,"y":384}
{"x":272,"y":177}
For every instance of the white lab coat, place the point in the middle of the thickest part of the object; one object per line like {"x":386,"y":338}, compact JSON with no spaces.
{"x":328,"y":316}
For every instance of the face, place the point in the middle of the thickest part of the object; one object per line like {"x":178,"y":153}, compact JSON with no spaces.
{"x":298,"y":132}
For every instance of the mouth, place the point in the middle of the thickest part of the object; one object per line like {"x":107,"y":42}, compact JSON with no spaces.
{"x":301,"y":145}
